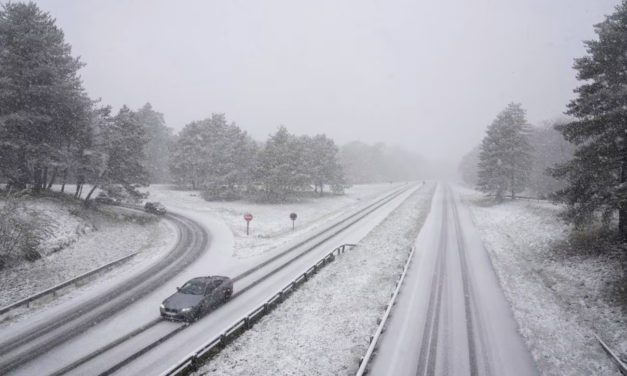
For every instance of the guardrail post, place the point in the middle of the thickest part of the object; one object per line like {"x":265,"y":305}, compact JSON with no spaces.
{"x":247,"y":322}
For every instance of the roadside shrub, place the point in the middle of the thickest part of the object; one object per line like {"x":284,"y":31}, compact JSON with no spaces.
{"x":221,"y":193}
{"x":21,"y":232}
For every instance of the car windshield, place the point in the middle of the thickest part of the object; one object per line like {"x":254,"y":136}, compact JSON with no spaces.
{"x":193,"y":288}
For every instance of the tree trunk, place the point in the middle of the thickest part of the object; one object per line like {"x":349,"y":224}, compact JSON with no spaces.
{"x":52,"y":178}
{"x":64,"y":179}
{"x":91,"y":192}
{"x":79,"y":186}
{"x":622,"y":207}
{"x":622,"y":222}
{"x":44,"y":178}
{"x":37,"y":179}
{"x":513,"y":181}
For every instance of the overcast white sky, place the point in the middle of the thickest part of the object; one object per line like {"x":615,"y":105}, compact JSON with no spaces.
{"x":427,"y":75}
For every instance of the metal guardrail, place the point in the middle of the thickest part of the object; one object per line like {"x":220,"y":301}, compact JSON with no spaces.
{"x":522,"y":197}
{"x":365,"y":360}
{"x":195,"y":359}
{"x":54,"y":289}
{"x":88,"y":274}
{"x":622,"y":367}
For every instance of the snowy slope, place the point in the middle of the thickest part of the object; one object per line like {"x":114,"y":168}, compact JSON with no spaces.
{"x":77,"y":244}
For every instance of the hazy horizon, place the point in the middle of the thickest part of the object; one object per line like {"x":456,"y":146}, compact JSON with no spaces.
{"x":426,"y":77}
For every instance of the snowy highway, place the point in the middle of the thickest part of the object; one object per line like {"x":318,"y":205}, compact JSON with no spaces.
{"x":451,"y":317}
{"x":33,"y":337}
{"x":125,"y":342}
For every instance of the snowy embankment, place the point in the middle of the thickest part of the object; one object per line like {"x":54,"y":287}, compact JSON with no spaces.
{"x":271,"y":226}
{"x":561,"y":297}
{"x":324,"y":327}
{"x":79,"y":241}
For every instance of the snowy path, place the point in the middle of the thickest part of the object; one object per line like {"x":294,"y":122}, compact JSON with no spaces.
{"x":451,"y":317}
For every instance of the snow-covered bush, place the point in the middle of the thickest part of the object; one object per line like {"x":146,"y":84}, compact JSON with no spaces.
{"x":21,"y":232}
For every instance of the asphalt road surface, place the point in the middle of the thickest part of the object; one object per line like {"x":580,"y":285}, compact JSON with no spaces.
{"x":451,"y":317}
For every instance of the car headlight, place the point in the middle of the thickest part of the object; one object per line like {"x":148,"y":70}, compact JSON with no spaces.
{"x":162,"y":306}
{"x":186,"y":309}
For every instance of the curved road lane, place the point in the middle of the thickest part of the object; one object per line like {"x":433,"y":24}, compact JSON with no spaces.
{"x":38,"y":338}
{"x":451,"y":317}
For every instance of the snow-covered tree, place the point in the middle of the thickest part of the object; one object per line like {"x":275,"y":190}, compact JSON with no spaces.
{"x":213,"y":155}
{"x":549,"y":148}
{"x":597,"y":175}
{"x":44,"y":111}
{"x":281,"y":166}
{"x":322,"y":163}
{"x":468,"y":166}
{"x":123,"y":140}
{"x":159,"y":139}
{"x":505,"y":157}
{"x":364,"y":163}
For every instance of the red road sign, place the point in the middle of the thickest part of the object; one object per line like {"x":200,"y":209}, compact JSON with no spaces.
{"x":248,"y":217}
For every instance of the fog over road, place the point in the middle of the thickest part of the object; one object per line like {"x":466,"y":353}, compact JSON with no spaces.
{"x":451,"y":317}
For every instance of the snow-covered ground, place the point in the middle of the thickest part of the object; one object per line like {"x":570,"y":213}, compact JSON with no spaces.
{"x":560,"y":297}
{"x":324,"y":327}
{"x":79,"y":242}
{"x":271,"y":226}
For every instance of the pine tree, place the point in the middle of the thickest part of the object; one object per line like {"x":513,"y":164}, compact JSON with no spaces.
{"x":280,"y":166}
{"x":596,"y":177}
{"x":123,"y":142}
{"x":158,"y":141}
{"x":44,"y":110}
{"x":322,"y":163}
{"x":213,"y":155}
{"x":505,"y":157}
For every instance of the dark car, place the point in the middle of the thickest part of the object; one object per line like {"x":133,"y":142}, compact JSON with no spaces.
{"x":102,"y":198}
{"x":197,"y":297}
{"x":155,"y":208}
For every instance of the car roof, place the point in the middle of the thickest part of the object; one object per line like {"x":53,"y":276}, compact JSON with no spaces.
{"x":208,"y":278}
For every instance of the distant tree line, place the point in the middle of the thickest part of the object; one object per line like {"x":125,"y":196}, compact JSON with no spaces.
{"x":222,"y":160}
{"x":580,"y":162}
{"x":365,"y":163}
{"x":53,"y":134}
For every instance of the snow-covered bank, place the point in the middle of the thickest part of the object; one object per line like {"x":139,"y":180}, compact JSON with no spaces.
{"x":81,"y":241}
{"x":560,"y":297}
{"x":271,"y":225}
{"x":324,"y":327}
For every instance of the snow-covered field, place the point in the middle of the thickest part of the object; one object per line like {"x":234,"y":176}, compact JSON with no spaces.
{"x":271,"y":226}
{"x":324,"y":327}
{"x":560,"y":297}
{"x":79,"y":242}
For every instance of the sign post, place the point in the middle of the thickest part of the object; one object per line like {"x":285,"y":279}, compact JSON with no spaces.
{"x":248,"y":217}
{"x":293,"y":217}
